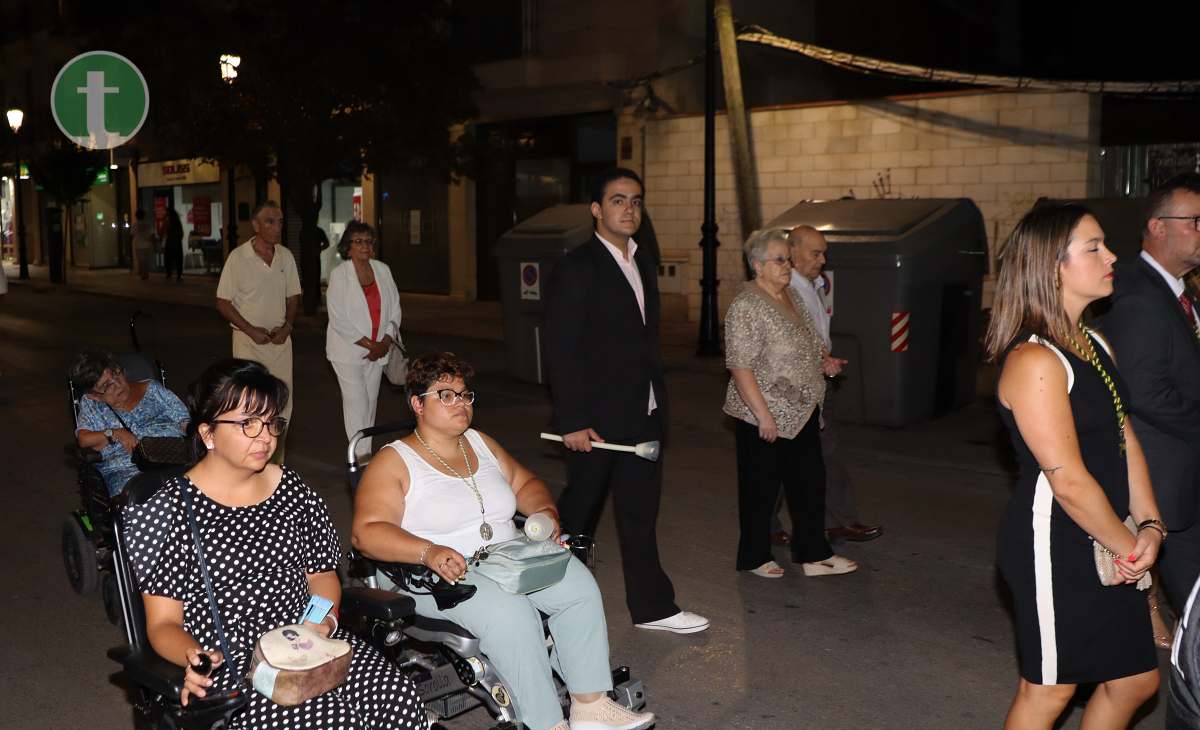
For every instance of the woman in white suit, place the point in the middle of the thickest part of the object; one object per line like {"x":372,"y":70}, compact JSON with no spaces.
{"x":364,"y":320}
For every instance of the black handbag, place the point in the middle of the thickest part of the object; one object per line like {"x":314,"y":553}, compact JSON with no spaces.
{"x":153,"y":452}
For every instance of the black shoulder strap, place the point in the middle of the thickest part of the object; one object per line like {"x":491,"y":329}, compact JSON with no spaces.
{"x":212,"y":601}
{"x":119,"y":419}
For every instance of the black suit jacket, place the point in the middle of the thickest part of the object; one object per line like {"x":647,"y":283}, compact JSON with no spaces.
{"x":601,"y":359}
{"x":1159,"y":357}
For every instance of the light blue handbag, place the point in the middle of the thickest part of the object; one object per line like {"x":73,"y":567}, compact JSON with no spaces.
{"x":521,"y":565}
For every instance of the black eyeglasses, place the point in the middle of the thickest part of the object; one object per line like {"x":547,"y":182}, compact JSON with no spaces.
{"x":449,"y":397}
{"x":781,"y":260}
{"x":99,"y":390}
{"x":362,"y":241}
{"x":253,"y":426}
{"x":1195,"y":219}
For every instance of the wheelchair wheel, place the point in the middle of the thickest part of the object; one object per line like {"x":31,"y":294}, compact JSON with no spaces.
{"x":79,"y":558}
{"x":112,"y":599}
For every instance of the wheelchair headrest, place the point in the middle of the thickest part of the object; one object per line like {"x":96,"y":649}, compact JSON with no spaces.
{"x":137,"y":367}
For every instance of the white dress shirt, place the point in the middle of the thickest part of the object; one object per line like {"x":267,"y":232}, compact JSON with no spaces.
{"x":634,"y":277}
{"x":1176,"y":284}
{"x":812,"y":293}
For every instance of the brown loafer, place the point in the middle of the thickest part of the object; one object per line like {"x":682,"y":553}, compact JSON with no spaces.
{"x":854,"y":533}
{"x":781,"y":537}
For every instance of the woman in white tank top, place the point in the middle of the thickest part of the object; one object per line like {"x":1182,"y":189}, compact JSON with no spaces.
{"x":446,"y":490}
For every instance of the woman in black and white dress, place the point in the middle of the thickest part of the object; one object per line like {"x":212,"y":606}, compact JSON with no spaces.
{"x":1081,"y":472}
{"x":269,"y":546}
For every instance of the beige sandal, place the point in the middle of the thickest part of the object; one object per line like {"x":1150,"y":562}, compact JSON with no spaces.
{"x":769,"y":569}
{"x":833,"y":565}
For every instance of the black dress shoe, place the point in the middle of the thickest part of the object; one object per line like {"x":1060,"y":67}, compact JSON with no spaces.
{"x":854,"y":533}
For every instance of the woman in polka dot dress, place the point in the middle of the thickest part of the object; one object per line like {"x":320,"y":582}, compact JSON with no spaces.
{"x":269,"y":545}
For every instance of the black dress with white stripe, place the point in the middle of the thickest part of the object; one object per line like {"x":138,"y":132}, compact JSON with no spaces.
{"x":1070,"y":628}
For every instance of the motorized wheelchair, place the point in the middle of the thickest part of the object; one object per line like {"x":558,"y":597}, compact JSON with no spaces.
{"x":86,"y":534}
{"x":442,"y":658}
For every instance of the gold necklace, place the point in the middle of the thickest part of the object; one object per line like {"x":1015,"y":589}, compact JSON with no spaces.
{"x":485,"y":530}
{"x":1090,"y":354}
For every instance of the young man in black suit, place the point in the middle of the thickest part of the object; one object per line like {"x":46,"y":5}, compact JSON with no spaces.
{"x":1153,"y":326}
{"x":606,"y":379}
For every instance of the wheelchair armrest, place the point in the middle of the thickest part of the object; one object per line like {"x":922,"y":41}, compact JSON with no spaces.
{"x":149,"y":670}
{"x":164,"y":680}
{"x":82,"y":455}
{"x":376,"y":603}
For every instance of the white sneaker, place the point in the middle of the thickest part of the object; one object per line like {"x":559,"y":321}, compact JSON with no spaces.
{"x":604,"y":714}
{"x":684,"y":622}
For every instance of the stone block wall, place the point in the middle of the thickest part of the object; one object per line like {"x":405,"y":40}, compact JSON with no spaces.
{"x":1002,"y":150}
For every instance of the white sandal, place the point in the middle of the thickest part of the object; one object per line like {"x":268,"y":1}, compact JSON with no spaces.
{"x":769,"y":569}
{"x":833,"y":565}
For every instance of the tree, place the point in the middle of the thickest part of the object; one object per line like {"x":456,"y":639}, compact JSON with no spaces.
{"x":325,"y":89}
{"x":66,"y":173}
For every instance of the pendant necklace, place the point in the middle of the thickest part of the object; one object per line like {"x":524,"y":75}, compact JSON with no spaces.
{"x":485,"y":530}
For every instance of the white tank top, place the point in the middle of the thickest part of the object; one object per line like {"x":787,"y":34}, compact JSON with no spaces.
{"x":443,"y":509}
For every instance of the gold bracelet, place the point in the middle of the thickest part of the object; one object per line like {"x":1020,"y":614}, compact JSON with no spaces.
{"x":421,"y":557}
{"x":1155,"y":524}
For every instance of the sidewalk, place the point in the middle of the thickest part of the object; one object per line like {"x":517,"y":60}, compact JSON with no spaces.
{"x":429,"y":314}
{"x":423,"y":313}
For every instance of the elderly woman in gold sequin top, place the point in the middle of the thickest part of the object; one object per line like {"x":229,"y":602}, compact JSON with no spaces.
{"x":774,"y":354}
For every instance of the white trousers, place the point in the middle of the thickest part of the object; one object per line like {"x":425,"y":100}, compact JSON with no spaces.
{"x":360,"y":395}
{"x":276,"y":358}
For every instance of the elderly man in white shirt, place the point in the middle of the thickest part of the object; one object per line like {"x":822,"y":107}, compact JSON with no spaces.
{"x":841,"y":514}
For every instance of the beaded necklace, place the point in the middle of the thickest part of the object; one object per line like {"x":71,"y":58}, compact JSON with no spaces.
{"x":1090,"y":354}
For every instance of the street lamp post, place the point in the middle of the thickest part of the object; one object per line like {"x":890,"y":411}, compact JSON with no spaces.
{"x":710,"y":344}
{"x":15,"y":117}
{"x":229,"y":72}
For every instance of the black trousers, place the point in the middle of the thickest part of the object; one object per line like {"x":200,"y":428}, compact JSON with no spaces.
{"x":173,"y":259}
{"x":636,"y":486}
{"x":796,"y":464}
{"x":1179,"y":565}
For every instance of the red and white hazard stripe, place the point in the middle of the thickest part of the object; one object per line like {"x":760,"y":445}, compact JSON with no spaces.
{"x":900,"y":331}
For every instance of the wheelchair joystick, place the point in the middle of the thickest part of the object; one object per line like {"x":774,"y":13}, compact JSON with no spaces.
{"x":203,"y":665}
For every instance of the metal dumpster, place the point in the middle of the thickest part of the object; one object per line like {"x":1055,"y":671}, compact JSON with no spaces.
{"x":527,"y":254}
{"x":906,"y":285}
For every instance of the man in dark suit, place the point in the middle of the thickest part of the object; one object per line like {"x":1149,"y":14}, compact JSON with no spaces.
{"x":606,"y":379}
{"x":1153,"y":326}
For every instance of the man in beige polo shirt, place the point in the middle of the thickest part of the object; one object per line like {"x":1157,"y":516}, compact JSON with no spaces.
{"x":259,"y":295}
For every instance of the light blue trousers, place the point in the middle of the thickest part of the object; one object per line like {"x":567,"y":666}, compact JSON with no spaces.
{"x":509,"y":628}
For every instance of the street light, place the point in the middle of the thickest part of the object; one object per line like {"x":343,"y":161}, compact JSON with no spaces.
{"x":229,"y":67}
{"x":229,"y":72}
{"x":15,"y":117}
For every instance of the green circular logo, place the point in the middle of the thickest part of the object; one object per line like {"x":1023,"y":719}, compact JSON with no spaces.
{"x":99,"y":100}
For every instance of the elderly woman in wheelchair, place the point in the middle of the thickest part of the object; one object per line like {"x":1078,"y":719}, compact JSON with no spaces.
{"x":114,"y":414}
{"x":240,"y":543}
{"x":443,"y":492}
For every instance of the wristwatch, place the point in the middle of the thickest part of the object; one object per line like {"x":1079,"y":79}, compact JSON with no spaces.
{"x":108,"y":434}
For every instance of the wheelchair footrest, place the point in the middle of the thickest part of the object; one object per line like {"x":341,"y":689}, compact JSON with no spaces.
{"x":628,"y":692}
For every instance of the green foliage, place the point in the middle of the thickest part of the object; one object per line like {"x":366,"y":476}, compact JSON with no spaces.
{"x":325,"y":88}
{"x":66,"y":171}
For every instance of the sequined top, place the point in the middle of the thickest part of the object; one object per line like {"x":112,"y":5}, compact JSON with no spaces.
{"x":784,"y":351}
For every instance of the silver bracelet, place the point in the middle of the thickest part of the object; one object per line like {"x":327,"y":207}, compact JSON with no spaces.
{"x":421,"y":557}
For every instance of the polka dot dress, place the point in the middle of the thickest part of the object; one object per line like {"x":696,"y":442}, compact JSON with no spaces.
{"x":258,"y":558}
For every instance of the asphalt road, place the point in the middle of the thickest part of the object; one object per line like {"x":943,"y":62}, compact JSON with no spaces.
{"x":918,"y":638}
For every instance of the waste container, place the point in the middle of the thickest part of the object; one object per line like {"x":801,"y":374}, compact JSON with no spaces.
{"x":527,"y":255}
{"x":906,"y":280}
